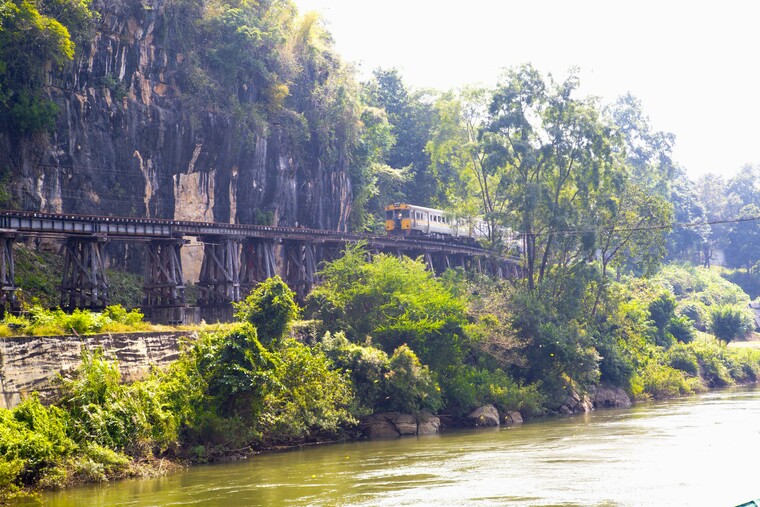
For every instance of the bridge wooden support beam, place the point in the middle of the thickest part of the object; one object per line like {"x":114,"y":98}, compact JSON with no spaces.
{"x":7,"y":272}
{"x":84,"y":284}
{"x":219,"y":280}
{"x":163,"y":283}
{"x":257,"y":262}
{"x":299,"y":266}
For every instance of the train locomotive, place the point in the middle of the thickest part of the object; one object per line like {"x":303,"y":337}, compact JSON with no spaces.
{"x":412,"y":220}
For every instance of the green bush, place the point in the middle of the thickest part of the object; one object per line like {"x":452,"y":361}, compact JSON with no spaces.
{"x":42,"y":322}
{"x":682,"y":329}
{"x":683,"y":358}
{"x":103,"y":411}
{"x":695,"y":311}
{"x":409,"y":387}
{"x":662,"y":381}
{"x":310,"y":400}
{"x":382,"y":383}
{"x":270,"y":308}
{"x":728,"y":323}
{"x":33,"y":441}
{"x":472,"y":387}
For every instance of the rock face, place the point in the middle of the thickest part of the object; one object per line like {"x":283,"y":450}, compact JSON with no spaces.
{"x":484,"y":416}
{"x":396,"y":424}
{"x":30,"y":364}
{"x":127,"y":143}
{"x":575,"y":403}
{"x":609,"y":397}
{"x":513,"y":417}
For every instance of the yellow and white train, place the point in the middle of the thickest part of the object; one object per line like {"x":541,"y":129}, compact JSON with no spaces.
{"x":410,"y":219}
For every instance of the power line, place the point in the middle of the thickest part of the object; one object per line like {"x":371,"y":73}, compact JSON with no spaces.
{"x":683,"y":225}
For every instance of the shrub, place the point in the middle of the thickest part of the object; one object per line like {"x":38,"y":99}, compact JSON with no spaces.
{"x":682,"y":329}
{"x":696,"y":311}
{"x":409,"y":387}
{"x":661,"y":381}
{"x":472,"y":387}
{"x":683,"y":358}
{"x":270,"y":307}
{"x":728,"y":323}
{"x":33,"y":440}
{"x":309,"y":400}
{"x":132,"y":418}
{"x":382,"y":383}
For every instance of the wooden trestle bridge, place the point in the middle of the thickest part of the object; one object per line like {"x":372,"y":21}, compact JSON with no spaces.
{"x":235,"y":258}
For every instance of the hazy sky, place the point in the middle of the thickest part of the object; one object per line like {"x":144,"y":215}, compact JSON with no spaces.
{"x":693,"y":65}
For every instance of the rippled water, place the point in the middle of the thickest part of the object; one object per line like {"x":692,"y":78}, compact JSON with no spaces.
{"x":699,"y":451}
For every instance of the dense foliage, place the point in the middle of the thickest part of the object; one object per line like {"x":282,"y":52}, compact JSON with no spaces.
{"x":38,"y":321}
{"x":35,"y":36}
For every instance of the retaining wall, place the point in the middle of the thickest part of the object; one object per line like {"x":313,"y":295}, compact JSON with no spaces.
{"x":31,"y":363}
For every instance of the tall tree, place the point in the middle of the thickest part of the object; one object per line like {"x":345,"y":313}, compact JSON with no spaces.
{"x":648,"y":152}
{"x":457,"y":156}
{"x":744,"y":238}
{"x":712,"y":194}
{"x":555,"y":152}
{"x":687,"y":241}
{"x":410,"y":114}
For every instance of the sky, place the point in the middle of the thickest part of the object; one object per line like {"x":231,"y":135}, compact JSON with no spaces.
{"x":693,"y":65}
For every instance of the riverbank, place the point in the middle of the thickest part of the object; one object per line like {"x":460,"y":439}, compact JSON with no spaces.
{"x":77,"y":472}
{"x":650,"y":454}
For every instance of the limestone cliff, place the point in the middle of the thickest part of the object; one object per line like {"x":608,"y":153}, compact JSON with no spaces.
{"x":134,"y":138}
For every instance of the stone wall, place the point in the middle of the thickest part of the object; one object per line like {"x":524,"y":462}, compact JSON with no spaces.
{"x":30,"y":364}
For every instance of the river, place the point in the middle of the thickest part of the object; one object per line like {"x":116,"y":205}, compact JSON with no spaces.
{"x":702,"y":451}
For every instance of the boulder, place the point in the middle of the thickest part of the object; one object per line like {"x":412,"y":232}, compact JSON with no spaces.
{"x":513,"y":417}
{"x":609,"y":397}
{"x":380,"y":426}
{"x":484,"y":416}
{"x":397,"y":424}
{"x":575,"y":403}
{"x":406,"y":424}
{"x":428,"y":424}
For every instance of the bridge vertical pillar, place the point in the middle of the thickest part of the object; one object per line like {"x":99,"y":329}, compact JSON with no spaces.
{"x":257,"y":262}
{"x":84,"y":284}
{"x":219,"y":279}
{"x":163,"y":283}
{"x":7,"y":271}
{"x":299,"y":266}
{"x":220,"y":271}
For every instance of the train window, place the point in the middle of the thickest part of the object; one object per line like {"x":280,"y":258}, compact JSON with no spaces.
{"x":389,"y":214}
{"x":405,"y":213}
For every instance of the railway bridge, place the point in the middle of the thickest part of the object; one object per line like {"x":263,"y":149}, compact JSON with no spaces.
{"x":235,"y":258}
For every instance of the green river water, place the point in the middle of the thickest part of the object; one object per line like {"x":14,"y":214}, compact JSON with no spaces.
{"x":702,"y":451}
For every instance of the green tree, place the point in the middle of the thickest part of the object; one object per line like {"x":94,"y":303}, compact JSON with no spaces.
{"x":744,"y":238}
{"x":728,"y":323}
{"x":647,"y":152}
{"x":395,"y":301}
{"x":270,"y":307}
{"x":556,"y":154}
{"x":458,"y":154}
{"x":687,"y":242}
{"x":33,"y":37}
{"x":410,"y":114}
{"x":713,"y":195}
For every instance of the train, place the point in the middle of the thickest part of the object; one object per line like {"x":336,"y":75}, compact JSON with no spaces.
{"x":412,"y":220}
